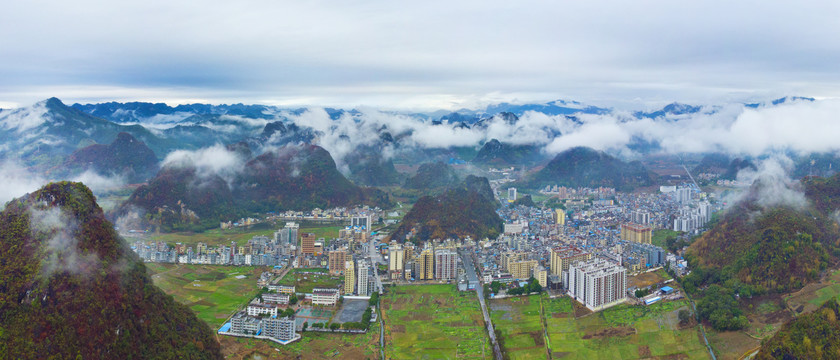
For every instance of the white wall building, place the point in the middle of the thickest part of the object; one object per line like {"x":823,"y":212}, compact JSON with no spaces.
{"x":321,"y":296}
{"x":363,"y":278}
{"x":596,"y":283}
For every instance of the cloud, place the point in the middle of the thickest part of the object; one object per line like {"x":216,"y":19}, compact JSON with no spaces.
{"x":22,"y":119}
{"x":209,"y":161}
{"x":17,"y":181}
{"x":98,"y":183}
{"x":771,"y":184}
{"x":61,"y":250}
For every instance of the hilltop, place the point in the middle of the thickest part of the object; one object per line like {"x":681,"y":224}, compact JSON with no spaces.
{"x":585,"y":167}
{"x":290,"y":178}
{"x":498,"y":153}
{"x":465,"y":210}
{"x":73,"y":288}
{"x":125,"y":156}
{"x":432,"y":176}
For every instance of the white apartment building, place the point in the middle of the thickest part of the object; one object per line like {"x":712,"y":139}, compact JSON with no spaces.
{"x":321,"y":296}
{"x":596,"y":283}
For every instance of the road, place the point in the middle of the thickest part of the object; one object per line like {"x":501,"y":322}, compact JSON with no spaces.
{"x":469,"y":266}
{"x":375,"y":259}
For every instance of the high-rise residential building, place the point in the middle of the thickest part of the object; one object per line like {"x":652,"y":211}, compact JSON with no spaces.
{"x":288,"y":235}
{"x":596,"y":283}
{"x":361,"y":221}
{"x":279,"y":328}
{"x":396,"y":261}
{"x":563,"y":256}
{"x":363,"y":278}
{"x":337,"y":260}
{"x":521,"y":269}
{"x":307,"y":244}
{"x":425,"y":265}
{"x":349,"y":277}
{"x":541,"y":274}
{"x":560,"y":217}
{"x":512,"y":256}
{"x":636,"y":233}
{"x":683,"y":195}
{"x":640,"y":217}
{"x":445,"y":260}
{"x":512,"y":194}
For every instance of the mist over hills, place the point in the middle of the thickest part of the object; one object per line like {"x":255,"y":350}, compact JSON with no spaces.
{"x":72,"y":286}
{"x":585,"y":167}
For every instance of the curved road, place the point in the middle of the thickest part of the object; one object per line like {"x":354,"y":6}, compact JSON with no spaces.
{"x":469,"y":266}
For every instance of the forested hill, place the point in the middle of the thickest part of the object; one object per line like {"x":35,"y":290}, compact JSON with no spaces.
{"x":582,"y":166}
{"x":72,"y":288}
{"x":810,"y":336}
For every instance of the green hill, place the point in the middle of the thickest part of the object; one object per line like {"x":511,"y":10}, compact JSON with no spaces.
{"x":456,"y":213}
{"x":585,"y":167}
{"x":431,"y":176}
{"x":498,"y":153}
{"x":810,"y":336}
{"x":125,"y":156}
{"x":72,"y":288}
{"x":290,"y":178}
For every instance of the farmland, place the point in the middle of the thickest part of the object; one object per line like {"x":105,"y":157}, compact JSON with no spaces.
{"x":435,"y":322}
{"x":213,"y":292}
{"x":621,"y":332}
{"x":518,"y":322}
{"x":305,"y":280}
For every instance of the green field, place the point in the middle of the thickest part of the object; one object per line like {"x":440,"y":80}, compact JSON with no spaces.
{"x":621,"y":332}
{"x":433,"y":322}
{"x":304,"y":283}
{"x":212,"y":291}
{"x":659,"y":236}
{"x":215,"y":237}
{"x":519,"y":325}
{"x":313,"y":345}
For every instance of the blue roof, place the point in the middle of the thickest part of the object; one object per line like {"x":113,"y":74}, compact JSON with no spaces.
{"x":666,"y":288}
{"x":225,"y":327}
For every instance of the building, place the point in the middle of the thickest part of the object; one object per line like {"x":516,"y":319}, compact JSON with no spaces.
{"x":322,"y":296}
{"x":512,"y":194}
{"x":241,"y":323}
{"x":640,"y":217}
{"x":362,"y":222}
{"x":636,"y":233}
{"x":396,"y":261}
{"x":287,"y":235}
{"x":363,"y":278}
{"x":257,"y":309}
{"x":425,"y":269}
{"x":683,"y":195}
{"x":514,"y":228}
{"x":560,"y":217}
{"x":521,"y":269}
{"x":563,"y":256}
{"x":512,"y":256}
{"x":596,"y":283}
{"x":349,"y":277}
{"x":445,"y":260}
{"x":279,"y":328}
{"x":282,"y":299}
{"x":652,"y":255}
{"x":337,"y":260}
{"x":541,"y":274}
{"x":307,"y":244}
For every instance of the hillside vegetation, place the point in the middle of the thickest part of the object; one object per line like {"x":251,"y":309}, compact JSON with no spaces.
{"x":71,"y":288}
{"x":811,"y":336}
{"x":585,"y":167}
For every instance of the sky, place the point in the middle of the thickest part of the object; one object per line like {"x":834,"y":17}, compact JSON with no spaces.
{"x":418,"y":55}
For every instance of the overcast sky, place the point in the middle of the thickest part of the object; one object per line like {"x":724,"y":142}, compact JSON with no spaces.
{"x":422,"y":55}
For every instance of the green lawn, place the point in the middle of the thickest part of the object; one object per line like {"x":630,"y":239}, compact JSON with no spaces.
{"x":434,"y":322}
{"x":621,"y":332}
{"x":212,"y":291}
{"x":659,"y":236}
{"x":304,"y":283}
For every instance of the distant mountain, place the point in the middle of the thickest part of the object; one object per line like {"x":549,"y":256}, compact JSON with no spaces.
{"x":582,"y":166}
{"x":125,"y":156}
{"x":815,"y":164}
{"x":671,"y":109}
{"x":479,"y":185}
{"x":456,"y":213}
{"x":557,"y":107}
{"x":775,"y":248}
{"x":431,"y":176}
{"x":137,"y":112}
{"x":736,"y":166}
{"x":290,"y":178}
{"x":72,"y":288}
{"x":497,"y":153}
{"x":714,"y":163}
{"x":369,"y":168}
{"x":810,"y":336}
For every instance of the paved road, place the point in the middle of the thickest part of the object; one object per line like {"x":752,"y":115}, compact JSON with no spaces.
{"x":375,"y":258}
{"x":467,"y":260}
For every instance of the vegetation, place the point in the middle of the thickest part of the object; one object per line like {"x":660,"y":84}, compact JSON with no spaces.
{"x":457,"y":213}
{"x":434,"y":322}
{"x":72,"y":288}
{"x":524,"y":201}
{"x":305,"y":280}
{"x":533,"y":286}
{"x":430,"y":176}
{"x":811,"y":336}
{"x":581,"y":166}
{"x":292,"y":178}
{"x":369,"y":168}
{"x":497,"y":153}
{"x":125,"y":156}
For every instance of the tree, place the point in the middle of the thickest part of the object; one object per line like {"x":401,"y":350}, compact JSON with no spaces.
{"x":305,"y":325}
{"x":334,"y":326}
{"x":683,"y":315}
{"x":374,"y":299}
{"x":293,"y":299}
